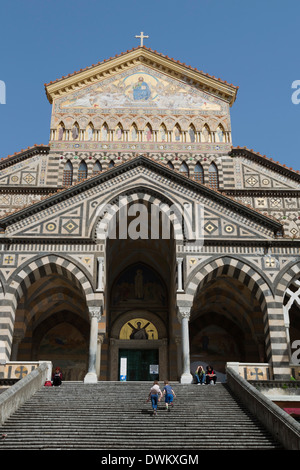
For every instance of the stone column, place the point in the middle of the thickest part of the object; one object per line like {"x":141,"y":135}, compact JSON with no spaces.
{"x":100,"y":273}
{"x":95,"y":316}
{"x":184,"y":316}
{"x":179,"y":355}
{"x":98,"y":359}
{"x":286,"y":317}
{"x":179,"y":274}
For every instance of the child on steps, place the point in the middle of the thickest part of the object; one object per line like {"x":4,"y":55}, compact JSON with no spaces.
{"x":169,"y":394}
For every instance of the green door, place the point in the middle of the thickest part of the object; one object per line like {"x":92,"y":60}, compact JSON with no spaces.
{"x":138,"y":363}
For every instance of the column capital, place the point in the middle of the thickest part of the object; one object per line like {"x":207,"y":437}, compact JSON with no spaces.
{"x":184,"y":312}
{"x":95,"y":312}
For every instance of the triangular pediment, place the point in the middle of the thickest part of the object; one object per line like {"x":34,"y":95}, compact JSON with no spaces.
{"x":161,"y":71}
{"x":262,"y":173}
{"x":74,"y":212}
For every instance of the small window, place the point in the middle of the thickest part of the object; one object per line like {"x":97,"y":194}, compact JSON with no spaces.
{"x":184,"y":169}
{"x":198,"y":173}
{"x":97,"y":168}
{"x":82,"y":172}
{"x":213,"y":176}
{"x":68,"y":174}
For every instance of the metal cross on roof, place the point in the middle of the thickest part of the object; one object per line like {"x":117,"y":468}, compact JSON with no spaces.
{"x":142,"y":37}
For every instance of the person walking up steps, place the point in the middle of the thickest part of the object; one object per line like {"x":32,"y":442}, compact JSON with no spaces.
{"x":169,"y":394}
{"x":155,"y":396}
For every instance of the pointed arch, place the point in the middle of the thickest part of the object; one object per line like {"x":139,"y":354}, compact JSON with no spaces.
{"x":111,"y":164}
{"x":213,"y":176}
{"x":61,"y":131}
{"x":184,"y":169}
{"x":133,"y":133}
{"x":199,"y":173}
{"x":75,"y":131}
{"x":90,"y":132}
{"x":67,"y":179}
{"x":191,"y":133}
{"x":148,"y":133}
{"x":163,"y":133}
{"x":177,"y":134}
{"x":206,"y":134}
{"x":170,"y":165}
{"x":104,"y":132}
{"x":82,"y":171}
{"x":119,"y":133}
{"x":220,"y":134}
{"x":97,"y":168}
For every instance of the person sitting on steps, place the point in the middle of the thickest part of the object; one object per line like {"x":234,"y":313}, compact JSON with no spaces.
{"x":200,"y":375}
{"x":57,"y":377}
{"x":211,"y":377}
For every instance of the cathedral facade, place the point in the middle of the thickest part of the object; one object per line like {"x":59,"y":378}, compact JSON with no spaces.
{"x":140,"y":242}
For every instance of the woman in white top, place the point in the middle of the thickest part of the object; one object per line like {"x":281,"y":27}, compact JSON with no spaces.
{"x":155,"y":395}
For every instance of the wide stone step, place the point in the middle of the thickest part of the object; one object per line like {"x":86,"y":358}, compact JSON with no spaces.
{"x":114,"y":416}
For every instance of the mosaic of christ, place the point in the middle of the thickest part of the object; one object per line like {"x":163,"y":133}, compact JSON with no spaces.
{"x":141,"y":89}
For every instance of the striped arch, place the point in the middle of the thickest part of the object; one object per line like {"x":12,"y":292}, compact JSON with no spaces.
{"x":286,"y":277}
{"x":271,"y":306}
{"x":106,"y":212}
{"x":288,"y":294}
{"x":241,"y":272}
{"x":236,"y":269}
{"x":24,"y":278}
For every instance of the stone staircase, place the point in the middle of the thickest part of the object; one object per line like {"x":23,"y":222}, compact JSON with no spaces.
{"x":115,"y":415}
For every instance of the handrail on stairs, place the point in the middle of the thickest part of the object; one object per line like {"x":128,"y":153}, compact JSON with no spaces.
{"x":283,"y":427}
{"x":12,"y":398}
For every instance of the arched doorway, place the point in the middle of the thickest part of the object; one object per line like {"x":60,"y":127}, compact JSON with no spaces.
{"x":226,"y":324}
{"x":141,"y":285}
{"x":52,"y":324}
{"x":138,"y":346}
{"x":139,"y":319}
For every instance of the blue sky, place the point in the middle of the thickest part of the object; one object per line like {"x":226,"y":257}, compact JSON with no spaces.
{"x":252,"y":44}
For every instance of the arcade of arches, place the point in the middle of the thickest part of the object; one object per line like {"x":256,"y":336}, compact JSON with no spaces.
{"x":142,"y":321}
